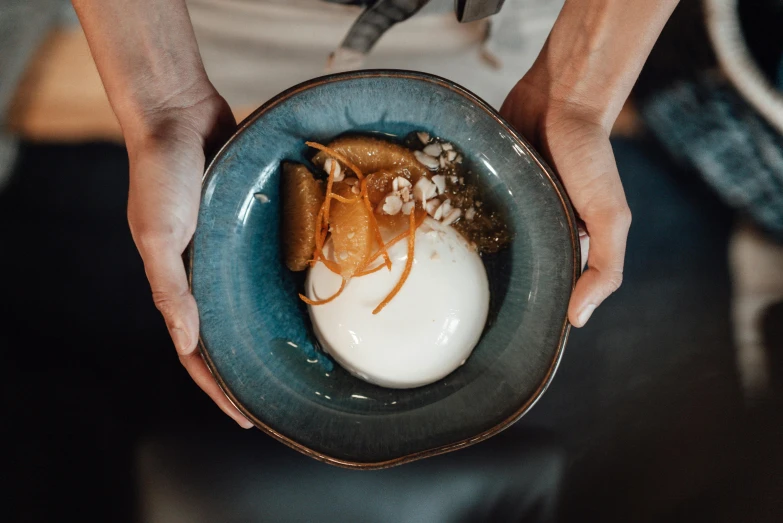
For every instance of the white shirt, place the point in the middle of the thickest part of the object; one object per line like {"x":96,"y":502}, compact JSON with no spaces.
{"x":254,"y":49}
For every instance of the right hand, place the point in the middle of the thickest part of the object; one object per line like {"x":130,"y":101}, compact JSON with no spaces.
{"x":167,"y":158}
{"x":576,"y":142}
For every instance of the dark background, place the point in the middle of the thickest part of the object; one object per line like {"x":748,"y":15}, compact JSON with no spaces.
{"x":646,"y":406}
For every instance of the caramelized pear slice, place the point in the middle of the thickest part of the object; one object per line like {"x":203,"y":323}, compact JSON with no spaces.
{"x":352,"y":235}
{"x":379,"y":184}
{"x":301,"y":198}
{"x":391,"y":225}
{"x":374,"y":154}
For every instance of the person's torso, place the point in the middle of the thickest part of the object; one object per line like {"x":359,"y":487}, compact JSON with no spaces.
{"x":253,"y":49}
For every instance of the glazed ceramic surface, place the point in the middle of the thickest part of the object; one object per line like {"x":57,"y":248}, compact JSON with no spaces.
{"x":255,"y":332}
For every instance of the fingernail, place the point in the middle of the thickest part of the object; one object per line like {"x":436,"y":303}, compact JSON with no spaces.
{"x":245,"y":423}
{"x":585,"y":315}
{"x":181,"y":340}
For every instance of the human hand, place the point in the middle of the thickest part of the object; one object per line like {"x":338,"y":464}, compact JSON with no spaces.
{"x":575,"y":140}
{"x":167,"y":158}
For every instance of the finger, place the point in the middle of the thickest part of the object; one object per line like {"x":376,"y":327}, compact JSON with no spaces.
{"x":608,"y":234}
{"x":171,"y":294}
{"x":198,"y":370}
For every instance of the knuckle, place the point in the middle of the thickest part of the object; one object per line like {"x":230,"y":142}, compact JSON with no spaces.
{"x":149,"y":240}
{"x":617,"y":215}
{"x":153,"y":238}
{"x":623,"y":216}
{"x":611,"y":211}
{"x":614,"y":280}
{"x":168,"y":303}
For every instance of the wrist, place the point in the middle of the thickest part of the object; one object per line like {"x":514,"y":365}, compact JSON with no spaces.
{"x":594,"y":54}
{"x":539,"y":105}
{"x":569,"y":89}
{"x":182,"y":114}
{"x":141,"y":109}
{"x":148,"y":58}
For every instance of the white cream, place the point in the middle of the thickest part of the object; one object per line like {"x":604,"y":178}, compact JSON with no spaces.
{"x":427,"y":331}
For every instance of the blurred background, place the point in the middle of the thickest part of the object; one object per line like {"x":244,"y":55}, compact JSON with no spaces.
{"x":667,"y":406}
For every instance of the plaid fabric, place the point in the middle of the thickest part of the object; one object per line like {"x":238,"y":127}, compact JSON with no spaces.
{"x":708,"y":125}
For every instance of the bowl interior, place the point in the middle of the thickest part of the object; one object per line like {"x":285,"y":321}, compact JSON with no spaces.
{"x":255,"y":332}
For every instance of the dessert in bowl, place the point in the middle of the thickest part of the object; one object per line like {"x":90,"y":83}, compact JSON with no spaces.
{"x":382,"y":268}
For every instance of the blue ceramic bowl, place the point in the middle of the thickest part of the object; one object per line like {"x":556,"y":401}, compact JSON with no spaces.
{"x":255,"y":332}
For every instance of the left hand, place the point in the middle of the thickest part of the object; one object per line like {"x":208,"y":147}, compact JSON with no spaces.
{"x":575,"y":141}
{"x":167,"y":157}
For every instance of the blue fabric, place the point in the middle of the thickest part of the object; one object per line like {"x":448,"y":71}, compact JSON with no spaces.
{"x":708,"y":125}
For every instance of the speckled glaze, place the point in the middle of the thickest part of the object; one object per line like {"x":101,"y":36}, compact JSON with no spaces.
{"x":255,"y":332}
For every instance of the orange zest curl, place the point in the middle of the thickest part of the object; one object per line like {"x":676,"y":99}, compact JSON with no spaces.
{"x":322,"y":220}
{"x":397,"y":239}
{"x":322,"y":231}
{"x":332,"y":266}
{"x":343,"y":199}
{"x":365,"y":272}
{"x":327,"y":201}
{"x":319,"y":244}
{"x":374,"y":225}
{"x":408,"y":265}
{"x":322,"y":224}
{"x":338,"y":156}
{"x":329,"y":264}
{"x":326,"y":300}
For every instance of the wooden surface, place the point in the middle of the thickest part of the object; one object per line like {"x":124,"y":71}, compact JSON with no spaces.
{"x":61,"y":98}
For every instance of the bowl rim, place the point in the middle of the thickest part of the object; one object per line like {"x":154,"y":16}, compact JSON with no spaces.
{"x":550,"y":176}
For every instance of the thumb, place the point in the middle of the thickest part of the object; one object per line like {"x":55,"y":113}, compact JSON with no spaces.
{"x":171,"y":294}
{"x":607,"y":241}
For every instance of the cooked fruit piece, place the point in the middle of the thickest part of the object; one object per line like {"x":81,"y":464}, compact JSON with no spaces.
{"x":391,"y":225}
{"x":301,"y":198}
{"x":408,"y":264}
{"x":373,"y":154}
{"x":379,"y":184}
{"x":352,"y":237}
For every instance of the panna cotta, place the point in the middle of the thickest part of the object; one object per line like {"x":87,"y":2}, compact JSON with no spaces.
{"x":426,"y":332}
